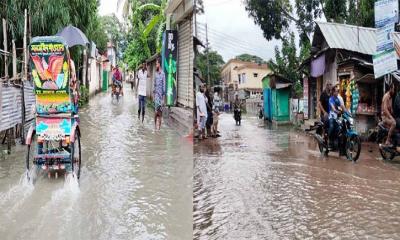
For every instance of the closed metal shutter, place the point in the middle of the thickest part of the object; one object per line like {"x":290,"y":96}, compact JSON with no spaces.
{"x":185,"y":64}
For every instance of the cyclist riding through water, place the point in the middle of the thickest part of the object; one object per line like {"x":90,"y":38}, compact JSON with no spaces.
{"x":117,"y":79}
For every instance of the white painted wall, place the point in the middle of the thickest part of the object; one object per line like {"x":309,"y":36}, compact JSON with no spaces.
{"x":95,"y":76}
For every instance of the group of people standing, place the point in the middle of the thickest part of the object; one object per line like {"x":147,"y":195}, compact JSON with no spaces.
{"x":139,"y":80}
{"x":208,"y":111}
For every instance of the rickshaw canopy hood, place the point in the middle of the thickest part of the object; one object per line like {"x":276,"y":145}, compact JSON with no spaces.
{"x":73,"y":36}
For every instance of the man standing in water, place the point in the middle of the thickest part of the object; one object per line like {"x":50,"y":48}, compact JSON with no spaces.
{"x":159,"y":94}
{"x":141,"y":89}
{"x":201,"y":112}
{"x":387,"y":112}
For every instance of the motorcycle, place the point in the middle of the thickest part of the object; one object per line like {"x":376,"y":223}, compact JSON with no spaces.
{"x":347,"y":141}
{"x":116,"y":91}
{"x":261,"y":113}
{"x":237,"y":115}
{"x":388,"y":152}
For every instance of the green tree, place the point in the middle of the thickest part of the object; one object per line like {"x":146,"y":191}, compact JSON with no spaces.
{"x":215,"y":64}
{"x":115,"y":31}
{"x":335,"y":10}
{"x":50,"y":16}
{"x":250,"y":58}
{"x":352,"y":14}
{"x":366,"y":10}
{"x":287,"y":62}
{"x":98,"y":34}
{"x":275,"y":16}
{"x":148,"y":24}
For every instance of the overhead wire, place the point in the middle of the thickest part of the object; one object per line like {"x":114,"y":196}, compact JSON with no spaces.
{"x":220,"y":44}
{"x":224,"y":43}
{"x":202,"y":26}
{"x":225,"y":39}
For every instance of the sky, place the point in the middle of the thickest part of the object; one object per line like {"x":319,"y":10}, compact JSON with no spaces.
{"x":108,"y":7}
{"x":232,"y":32}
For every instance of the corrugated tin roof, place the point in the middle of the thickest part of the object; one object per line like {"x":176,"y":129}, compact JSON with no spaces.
{"x":348,"y":37}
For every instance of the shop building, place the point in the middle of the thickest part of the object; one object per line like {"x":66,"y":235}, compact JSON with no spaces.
{"x":243,"y":78}
{"x":342,"y":54}
{"x":179,"y":14}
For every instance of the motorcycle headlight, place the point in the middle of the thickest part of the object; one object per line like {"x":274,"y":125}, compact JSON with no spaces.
{"x":351,"y":121}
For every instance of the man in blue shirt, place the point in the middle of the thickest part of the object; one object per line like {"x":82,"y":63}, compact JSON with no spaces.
{"x":335,"y":107}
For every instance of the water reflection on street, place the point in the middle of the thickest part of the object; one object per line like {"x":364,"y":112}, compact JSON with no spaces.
{"x":135,"y":183}
{"x":260,"y":182}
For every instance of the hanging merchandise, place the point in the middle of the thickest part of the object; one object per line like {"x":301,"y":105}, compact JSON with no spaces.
{"x":342,"y":86}
{"x":355,"y":97}
{"x":348,"y":94}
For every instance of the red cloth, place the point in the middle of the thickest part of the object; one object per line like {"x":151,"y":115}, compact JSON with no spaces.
{"x":117,"y":75}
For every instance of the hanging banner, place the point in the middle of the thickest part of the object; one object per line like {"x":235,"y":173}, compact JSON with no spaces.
{"x":384,"y":63}
{"x":318,"y":66}
{"x":386,"y":15}
{"x":169,"y":57}
{"x":386,"y":12}
{"x":384,"y":38}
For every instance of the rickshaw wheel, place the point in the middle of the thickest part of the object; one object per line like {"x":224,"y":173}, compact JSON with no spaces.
{"x":30,"y":155}
{"x":76,"y":155}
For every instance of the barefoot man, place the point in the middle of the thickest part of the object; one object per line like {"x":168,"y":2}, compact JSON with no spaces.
{"x":387,"y":112}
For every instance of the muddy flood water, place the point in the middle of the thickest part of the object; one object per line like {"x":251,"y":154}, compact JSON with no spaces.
{"x":135,"y":183}
{"x":257,"y":182}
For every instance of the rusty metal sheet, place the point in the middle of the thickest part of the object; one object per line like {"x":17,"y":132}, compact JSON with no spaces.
{"x":11,"y":103}
{"x":30,"y":100}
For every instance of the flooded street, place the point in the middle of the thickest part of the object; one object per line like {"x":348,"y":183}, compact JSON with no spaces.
{"x":256,"y":182}
{"x":135,"y":183}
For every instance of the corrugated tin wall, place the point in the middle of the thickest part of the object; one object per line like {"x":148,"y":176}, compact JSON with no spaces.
{"x":30,"y":100}
{"x":11,"y":105}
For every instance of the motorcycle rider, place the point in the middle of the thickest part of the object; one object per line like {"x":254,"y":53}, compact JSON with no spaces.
{"x":335,"y":107}
{"x":117,"y":78}
{"x":396,"y":114}
{"x":237,"y":105}
{"x":323,"y":104}
{"x":387,"y":113}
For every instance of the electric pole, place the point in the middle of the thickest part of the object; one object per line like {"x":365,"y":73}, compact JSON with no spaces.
{"x":208,"y":62}
{"x":195,"y":17}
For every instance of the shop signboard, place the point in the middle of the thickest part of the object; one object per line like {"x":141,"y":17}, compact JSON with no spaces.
{"x":384,"y":63}
{"x":384,"y":37}
{"x":386,"y":15}
{"x":169,"y":59}
{"x":386,"y":12}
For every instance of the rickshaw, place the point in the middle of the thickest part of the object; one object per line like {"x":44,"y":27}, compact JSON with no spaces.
{"x":53,"y":140}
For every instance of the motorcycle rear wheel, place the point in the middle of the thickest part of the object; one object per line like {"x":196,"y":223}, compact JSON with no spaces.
{"x":353,"y":148}
{"x":386,"y":155}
